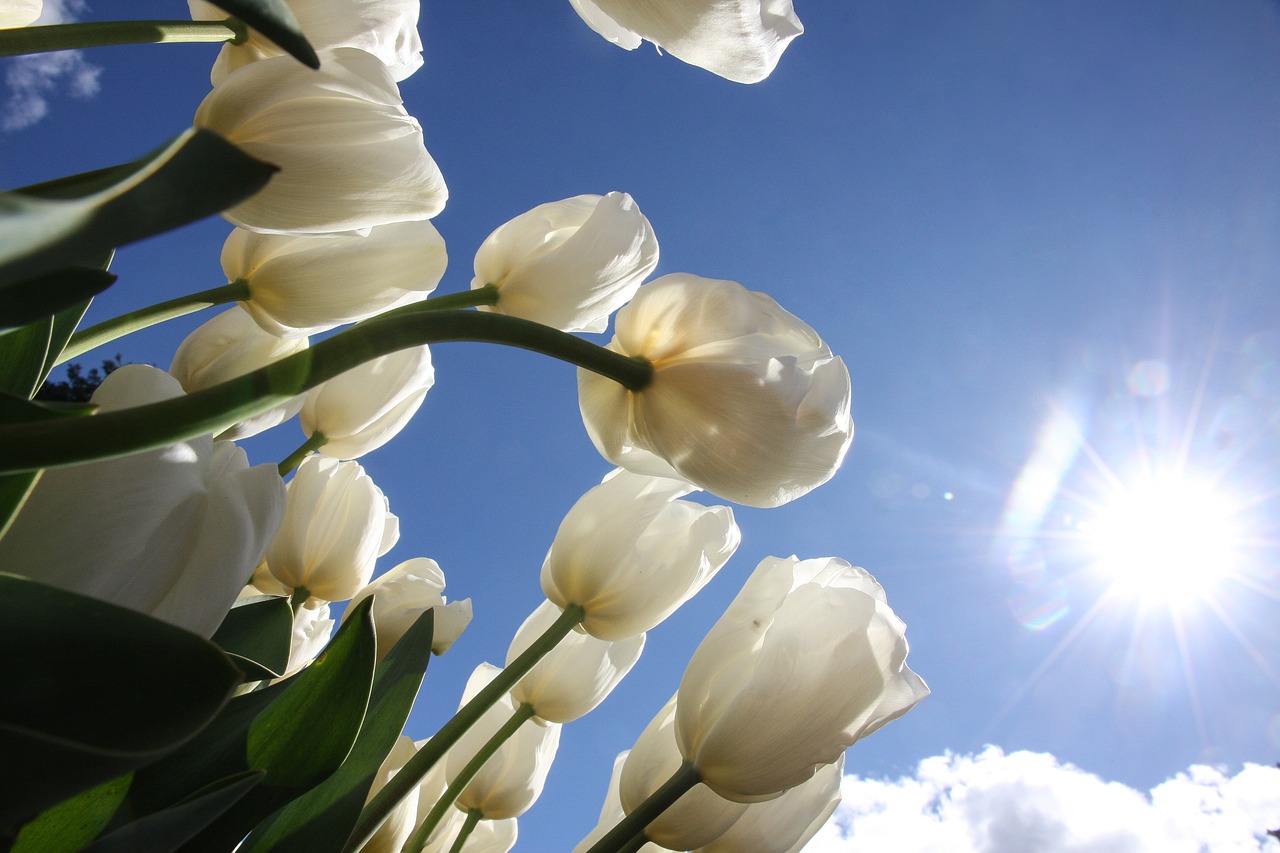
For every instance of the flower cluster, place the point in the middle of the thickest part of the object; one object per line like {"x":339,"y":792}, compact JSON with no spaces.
{"x":705,"y":386}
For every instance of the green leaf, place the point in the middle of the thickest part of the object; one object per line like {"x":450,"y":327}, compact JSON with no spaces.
{"x":93,"y":690}
{"x":322,"y":819}
{"x":74,"y":221}
{"x":14,"y":491}
{"x":256,"y":635}
{"x":169,"y":829}
{"x":73,"y":823}
{"x":29,"y":353}
{"x":18,"y":410}
{"x":31,"y":300}
{"x":275,"y":20}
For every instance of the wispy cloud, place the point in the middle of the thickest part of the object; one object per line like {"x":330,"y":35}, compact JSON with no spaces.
{"x":1027,"y":802}
{"x":32,"y":80}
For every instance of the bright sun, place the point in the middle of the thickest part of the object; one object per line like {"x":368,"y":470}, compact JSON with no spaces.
{"x":1171,"y":538}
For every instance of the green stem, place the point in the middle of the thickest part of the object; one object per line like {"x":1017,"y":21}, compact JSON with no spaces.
{"x":69,"y":441}
{"x":451,"y":794}
{"x":468,"y":826}
{"x":294,"y":459}
{"x":623,"y":835}
{"x":301,"y":595}
{"x":22,"y":40}
{"x":108,"y":330}
{"x":407,"y":779}
{"x":486,"y":295}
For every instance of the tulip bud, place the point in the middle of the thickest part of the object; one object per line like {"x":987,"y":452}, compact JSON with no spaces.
{"x":569,"y":264}
{"x":336,"y":524}
{"x":350,"y":157}
{"x":301,"y":285}
{"x":173,"y":532}
{"x":231,"y":345}
{"x":740,"y":40}
{"x":629,"y":553}
{"x":513,"y":777}
{"x":388,"y":29}
{"x":746,"y":401}
{"x":699,"y":816}
{"x":403,"y":594}
{"x":787,"y":823}
{"x":575,"y":676}
{"x":364,"y":408}
{"x":807,"y":659}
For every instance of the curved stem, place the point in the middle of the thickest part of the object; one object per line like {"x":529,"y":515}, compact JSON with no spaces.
{"x":622,"y":836}
{"x":419,"y":840}
{"x":468,"y":826}
{"x":487,"y":295}
{"x":403,"y":783}
{"x":22,"y":40}
{"x":68,"y":441}
{"x":108,"y":330}
{"x":294,"y":459}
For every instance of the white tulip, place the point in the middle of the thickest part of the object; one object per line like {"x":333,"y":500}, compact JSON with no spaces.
{"x":336,"y":524}
{"x":575,"y":676}
{"x":746,"y":401}
{"x":611,"y":812}
{"x":629,"y":553}
{"x":388,"y":29}
{"x":404,"y":593}
{"x":312,"y":629}
{"x":787,"y":823}
{"x":513,"y":777}
{"x":350,"y":157}
{"x":699,"y":816}
{"x":807,"y":659}
{"x":740,"y":40}
{"x":362,"y":409}
{"x":569,"y":264}
{"x":174,"y":532}
{"x":488,"y":836}
{"x":231,"y":345}
{"x":20,"y":13}
{"x":301,"y":285}
{"x":393,"y":832}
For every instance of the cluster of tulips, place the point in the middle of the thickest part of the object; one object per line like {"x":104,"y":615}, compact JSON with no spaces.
{"x":183,"y":548}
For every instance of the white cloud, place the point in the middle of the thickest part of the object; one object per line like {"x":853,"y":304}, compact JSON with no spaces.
{"x":30,"y":80}
{"x":1027,"y":802}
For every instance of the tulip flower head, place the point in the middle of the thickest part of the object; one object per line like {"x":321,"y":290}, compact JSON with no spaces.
{"x":404,"y":593}
{"x":174,"y":532}
{"x":569,"y":264}
{"x":387,"y":29}
{"x":301,"y":285}
{"x":630,"y":553}
{"x":350,"y":157}
{"x":787,"y":823}
{"x":807,"y":659}
{"x":231,"y":345}
{"x":746,"y":401}
{"x":740,"y":40}
{"x":20,"y":13}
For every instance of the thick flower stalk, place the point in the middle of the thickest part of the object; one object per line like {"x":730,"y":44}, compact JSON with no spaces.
{"x":387,"y":29}
{"x":364,"y":408}
{"x":350,"y":157}
{"x":807,"y":659}
{"x":575,"y":676}
{"x":569,"y":264}
{"x":301,"y":285}
{"x":740,"y":40}
{"x":231,"y":345}
{"x":629,"y":553}
{"x":404,"y":593}
{"x":746,"y":400}
{"x":336,"y":524}
{"x":174,"y":532}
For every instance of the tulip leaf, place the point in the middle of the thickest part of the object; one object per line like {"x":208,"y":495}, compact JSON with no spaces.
{"x":275,"y":20}
{"x":14,"y":491}
{"x":28,"y":354}
{"x":61,"y":654}
{"x":321,"y":820}
{"x":74,"y":221}
{"x":31,"y":300}
{"x":73,"y":823}
{"x":256,"y":635}
{"x":168,"y":830}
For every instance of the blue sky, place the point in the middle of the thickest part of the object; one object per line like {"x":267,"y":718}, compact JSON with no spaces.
{"x":1045,"y":239}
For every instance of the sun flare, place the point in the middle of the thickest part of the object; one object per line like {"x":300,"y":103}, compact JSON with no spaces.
{"x":1172,"y":538}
